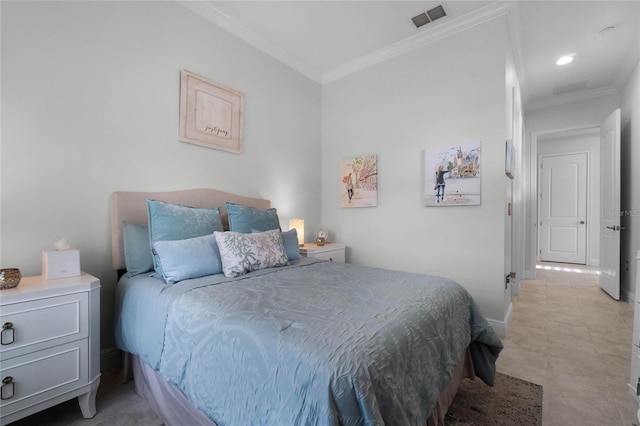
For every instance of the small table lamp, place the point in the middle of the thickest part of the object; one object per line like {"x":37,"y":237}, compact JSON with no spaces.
{"x":298,"y":225}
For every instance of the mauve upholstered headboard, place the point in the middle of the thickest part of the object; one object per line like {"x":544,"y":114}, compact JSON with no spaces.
{"x":132,"y":207}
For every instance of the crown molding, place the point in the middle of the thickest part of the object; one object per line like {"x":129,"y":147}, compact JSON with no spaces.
{"x":212,"y":14}
{"x":453,"y":26}
{"x":568,"y":132}
{"x":576,"y":96}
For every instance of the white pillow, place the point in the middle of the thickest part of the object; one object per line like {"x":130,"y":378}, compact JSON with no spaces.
{"x":241,"y":253}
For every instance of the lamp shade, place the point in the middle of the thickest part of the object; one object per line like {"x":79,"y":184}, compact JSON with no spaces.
{"x":298,"y":225}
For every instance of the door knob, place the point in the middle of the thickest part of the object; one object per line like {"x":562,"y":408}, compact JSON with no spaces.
{"x":582,"y":222}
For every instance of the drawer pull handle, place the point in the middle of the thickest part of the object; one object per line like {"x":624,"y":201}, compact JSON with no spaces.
{"x":638,"y":387}
{"x":7,"y":391}
{"x":8,"y":334}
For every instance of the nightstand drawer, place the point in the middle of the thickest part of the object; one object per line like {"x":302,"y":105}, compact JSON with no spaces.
{"x":330,"y":251}
{"x":39,"y":376}
{"x":43,"y":323}
{"x":333,"y":255}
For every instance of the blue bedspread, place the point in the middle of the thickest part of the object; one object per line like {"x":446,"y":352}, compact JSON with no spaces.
{"x":317,"y":343}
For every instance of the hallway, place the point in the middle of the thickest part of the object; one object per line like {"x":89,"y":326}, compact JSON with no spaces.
{"x":569,"y":336}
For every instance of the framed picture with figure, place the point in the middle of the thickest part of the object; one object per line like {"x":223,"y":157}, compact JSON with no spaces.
{"x":452,"y":175}
{"x":359,"y":181}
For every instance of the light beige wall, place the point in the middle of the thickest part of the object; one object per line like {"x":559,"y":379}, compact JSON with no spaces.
{"x":90,"y":102}
{"x":446,"y":93}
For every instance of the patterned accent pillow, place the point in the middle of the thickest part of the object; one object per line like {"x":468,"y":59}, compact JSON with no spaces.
{"x":241,"y":253}
{"x":290,"y":241}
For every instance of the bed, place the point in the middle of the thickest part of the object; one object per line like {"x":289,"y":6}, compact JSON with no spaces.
{"x":259,"y":335}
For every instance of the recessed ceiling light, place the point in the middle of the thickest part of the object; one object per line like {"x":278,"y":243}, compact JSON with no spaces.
{"x":564,"y":60}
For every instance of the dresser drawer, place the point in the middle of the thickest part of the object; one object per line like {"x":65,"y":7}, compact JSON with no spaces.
{"x":42,"y":323}
{"x":41,"y":375}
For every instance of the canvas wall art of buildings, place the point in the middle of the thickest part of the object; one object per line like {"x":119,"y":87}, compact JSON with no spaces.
{"x":452,"y":175}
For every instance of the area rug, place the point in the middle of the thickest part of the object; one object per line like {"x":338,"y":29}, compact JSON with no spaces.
{"x":510,"y":401}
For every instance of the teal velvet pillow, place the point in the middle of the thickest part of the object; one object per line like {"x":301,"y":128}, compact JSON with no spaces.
{"x":290,"y":239}
{"x":169,"y":222}
{"x":185,"y":259}
{"x":137,"y":251}
{"x":245,"y":219}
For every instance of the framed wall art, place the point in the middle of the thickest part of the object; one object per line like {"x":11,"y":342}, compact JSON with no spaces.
{"x":359,"y":181}
{"x":210,"y":113}
{"x":452,"y":175}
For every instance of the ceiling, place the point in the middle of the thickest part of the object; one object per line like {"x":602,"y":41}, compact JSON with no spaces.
{"x":327,"y":40}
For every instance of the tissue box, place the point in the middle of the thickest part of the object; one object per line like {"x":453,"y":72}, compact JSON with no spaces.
{"x":60,"y":264}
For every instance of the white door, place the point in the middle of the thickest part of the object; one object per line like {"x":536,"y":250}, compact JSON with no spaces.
{"x":563,"y":208}
{"x":610,"y":205}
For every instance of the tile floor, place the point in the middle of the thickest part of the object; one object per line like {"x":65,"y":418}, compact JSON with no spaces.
{"x":569,"y":336}
{"x":565,"y":334}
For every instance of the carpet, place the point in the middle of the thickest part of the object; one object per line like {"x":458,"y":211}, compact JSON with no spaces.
{"x":510,"y":401}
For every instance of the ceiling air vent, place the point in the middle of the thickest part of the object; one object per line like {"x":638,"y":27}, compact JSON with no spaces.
{"x":429,"y":16}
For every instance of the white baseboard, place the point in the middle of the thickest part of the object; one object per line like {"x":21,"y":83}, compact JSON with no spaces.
{"x":110,"y":359}
{"x":501,"y":327}
{"x":528,"y":275}
{"x":515,"y":287}
{"x":630,"y":298}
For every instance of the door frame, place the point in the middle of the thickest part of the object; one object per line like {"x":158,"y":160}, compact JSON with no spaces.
{"x":534,"y":186}
{"x":587,"y":199}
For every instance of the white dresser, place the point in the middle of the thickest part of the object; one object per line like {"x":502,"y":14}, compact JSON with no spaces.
{"x":634,"y":383}
{"x":50,"y":345}
{"x":329,"y":251}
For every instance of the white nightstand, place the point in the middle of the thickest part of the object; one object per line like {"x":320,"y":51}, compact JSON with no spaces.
{"x":329,"y":251}
{"x":50,"y":349}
